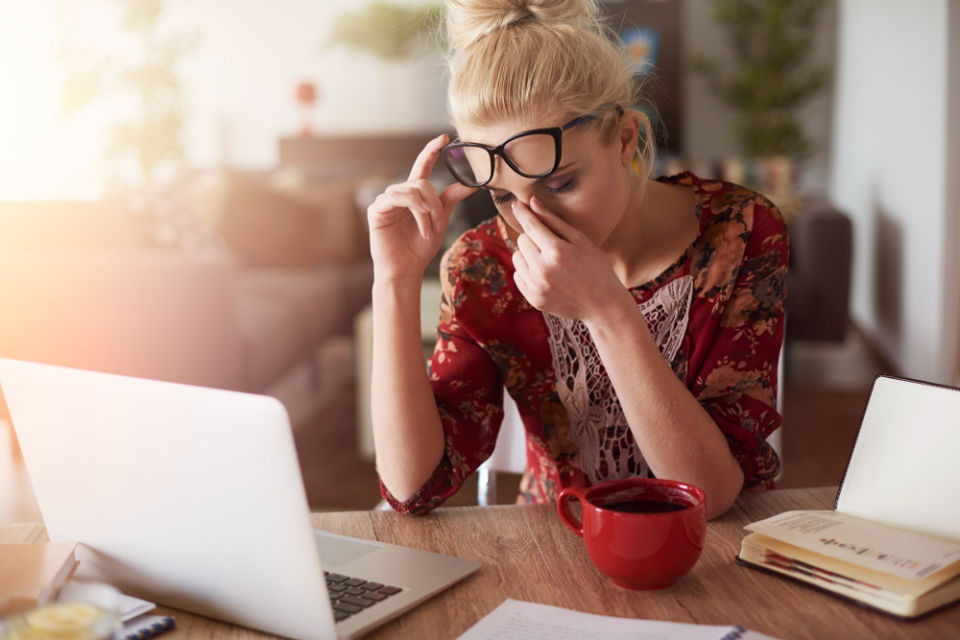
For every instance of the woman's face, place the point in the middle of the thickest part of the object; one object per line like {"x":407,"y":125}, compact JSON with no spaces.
{"x":591,"y":185}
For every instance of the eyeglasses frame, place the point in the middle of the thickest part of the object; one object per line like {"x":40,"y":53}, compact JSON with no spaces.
{"x":555,"y":132}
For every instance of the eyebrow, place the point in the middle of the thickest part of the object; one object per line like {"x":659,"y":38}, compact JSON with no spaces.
{"x":538,"y":180}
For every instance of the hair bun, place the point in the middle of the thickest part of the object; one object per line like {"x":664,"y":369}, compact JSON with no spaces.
{"x":470,"y":20}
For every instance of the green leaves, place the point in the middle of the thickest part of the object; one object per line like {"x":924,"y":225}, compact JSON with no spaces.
{"x":142,"y":74}
{"x":771,"y":42}
{"x":388,"y":30}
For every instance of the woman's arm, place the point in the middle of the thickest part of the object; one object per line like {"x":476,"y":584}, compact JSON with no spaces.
{"x":678,"y":438}
{"x":407,"y":224}
{"x":407,"y":434}
{"x":560,"y":271}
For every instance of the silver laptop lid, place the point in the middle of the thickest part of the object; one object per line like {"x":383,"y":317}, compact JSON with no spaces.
{"x":187,"y":496}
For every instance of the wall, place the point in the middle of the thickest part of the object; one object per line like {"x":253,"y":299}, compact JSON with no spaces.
{"x":240,"y":81}
{"x":238,"y":86}
{"x":889,"y":172}
{"x":951,"y":239}
{"x":708,"y":121}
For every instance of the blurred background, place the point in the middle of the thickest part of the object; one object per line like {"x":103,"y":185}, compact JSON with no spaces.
{"x":183,"y":187}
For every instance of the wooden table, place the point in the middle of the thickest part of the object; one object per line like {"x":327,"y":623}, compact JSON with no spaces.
{"x":527,"y":554}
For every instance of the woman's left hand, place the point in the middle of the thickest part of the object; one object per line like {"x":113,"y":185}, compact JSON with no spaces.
{"x":559,"y":270}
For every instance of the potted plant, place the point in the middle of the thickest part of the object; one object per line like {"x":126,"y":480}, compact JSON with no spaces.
{"x":149,"y":136}
{"x":397,"y":77}
{"x":771,"y":78}
{"x":388,"y":30}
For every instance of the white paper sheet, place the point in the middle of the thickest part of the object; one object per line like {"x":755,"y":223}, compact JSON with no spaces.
{"x":127,"y":607}
{"x":516,"y":620}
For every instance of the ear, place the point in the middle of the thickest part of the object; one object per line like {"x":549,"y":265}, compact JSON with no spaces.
{"x":627,"y":137}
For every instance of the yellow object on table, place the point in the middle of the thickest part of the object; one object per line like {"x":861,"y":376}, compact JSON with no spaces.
{"x":71,"y":621}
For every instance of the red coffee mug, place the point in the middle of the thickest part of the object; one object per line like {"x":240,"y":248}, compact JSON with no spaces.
{"x":642,"y":533}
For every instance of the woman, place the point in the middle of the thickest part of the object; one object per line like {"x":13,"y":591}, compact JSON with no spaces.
{"x":636,"y":322}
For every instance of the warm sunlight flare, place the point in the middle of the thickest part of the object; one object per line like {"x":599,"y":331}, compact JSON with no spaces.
{"x":98,"y":96}
{"x":46,"y":153}
{"x":34,"y":160}
{"x":564,"y":300}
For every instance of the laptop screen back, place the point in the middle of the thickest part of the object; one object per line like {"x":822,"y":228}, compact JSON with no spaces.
{"x":187,"y":496}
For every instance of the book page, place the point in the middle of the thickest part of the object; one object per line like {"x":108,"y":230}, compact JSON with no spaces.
{"x":873,"y":545}
{"x":903,"y":467}
{"x":516,"y":620}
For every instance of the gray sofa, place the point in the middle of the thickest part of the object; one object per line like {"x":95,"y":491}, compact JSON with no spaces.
{"x":86,"y":285}
{"x":818,"y":284}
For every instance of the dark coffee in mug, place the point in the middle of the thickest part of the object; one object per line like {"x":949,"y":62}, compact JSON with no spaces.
{"x":644,"y":506}
{"x":643,"y":533}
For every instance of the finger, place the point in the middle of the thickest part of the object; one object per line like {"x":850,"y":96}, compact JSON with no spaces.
{"x":389,"y":207}
{"x":526,"y":290}
{"x":527,"y":259}
{"x":405,"y":197}
{"x":555,"y":223}
{"x":423,"y":165}
{"x":539,"y":233}
{"x":454,"y":194}
{"x":526,"y":246}
{"x":521,"y":284}
{"x":425,"y":223}
{"x":421,"y":190}
{"x":520,"y":267}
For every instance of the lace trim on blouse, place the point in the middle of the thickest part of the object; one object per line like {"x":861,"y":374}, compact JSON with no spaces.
{"x":597,"y":424}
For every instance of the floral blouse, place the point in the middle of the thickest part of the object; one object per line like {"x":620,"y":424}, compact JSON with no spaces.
{"x":716,"y":315}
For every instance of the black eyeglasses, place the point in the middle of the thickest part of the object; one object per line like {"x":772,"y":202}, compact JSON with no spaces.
{"x":532,"y":154}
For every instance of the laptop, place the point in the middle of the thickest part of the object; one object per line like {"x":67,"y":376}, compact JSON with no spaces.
{"x":192,"y":497}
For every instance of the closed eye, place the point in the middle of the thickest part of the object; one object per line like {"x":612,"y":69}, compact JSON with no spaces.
{"x":506,"y":196}
{"x":563,"y":188}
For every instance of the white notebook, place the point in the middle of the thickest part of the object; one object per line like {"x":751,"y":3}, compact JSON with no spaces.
{"x":905,"y":466}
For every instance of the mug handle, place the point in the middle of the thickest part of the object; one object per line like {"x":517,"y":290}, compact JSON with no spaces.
{"x":563,"y":508}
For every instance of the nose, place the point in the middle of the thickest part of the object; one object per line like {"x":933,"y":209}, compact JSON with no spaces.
{"x":505,"y":178}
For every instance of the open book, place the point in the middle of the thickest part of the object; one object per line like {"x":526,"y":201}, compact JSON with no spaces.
{"x":893,"y":540}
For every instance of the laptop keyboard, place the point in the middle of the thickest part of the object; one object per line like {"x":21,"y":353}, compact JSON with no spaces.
{"x":351,"y":595}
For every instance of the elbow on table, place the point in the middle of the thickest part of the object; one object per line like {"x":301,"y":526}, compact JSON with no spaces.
{"x":722,"y":496}
{"x":407,"y":504}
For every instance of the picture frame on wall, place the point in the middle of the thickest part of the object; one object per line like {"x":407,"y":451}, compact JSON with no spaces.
{"x":652,"y":36}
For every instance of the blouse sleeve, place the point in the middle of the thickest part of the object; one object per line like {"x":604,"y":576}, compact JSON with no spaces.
{"x":468,"y":389}
{"x":737,"y":383}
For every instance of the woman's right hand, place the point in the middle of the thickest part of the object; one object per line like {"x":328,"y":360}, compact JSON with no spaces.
{"x":408,"y":221}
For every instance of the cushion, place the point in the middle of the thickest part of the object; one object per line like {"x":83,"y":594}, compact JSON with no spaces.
{"x":296,"y":226}
{"x":285,"y":314}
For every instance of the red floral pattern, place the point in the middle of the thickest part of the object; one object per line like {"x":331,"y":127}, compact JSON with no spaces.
{"x":490,"y":338}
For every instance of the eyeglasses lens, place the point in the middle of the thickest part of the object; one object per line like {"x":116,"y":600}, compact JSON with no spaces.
{"x":534,"y":155}
{"x":470,"y":165}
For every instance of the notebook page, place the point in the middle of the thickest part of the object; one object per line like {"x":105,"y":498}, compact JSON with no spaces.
{"x":904,"y":467}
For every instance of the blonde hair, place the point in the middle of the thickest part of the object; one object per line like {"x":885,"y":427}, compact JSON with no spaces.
{"x":536,"y":60}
